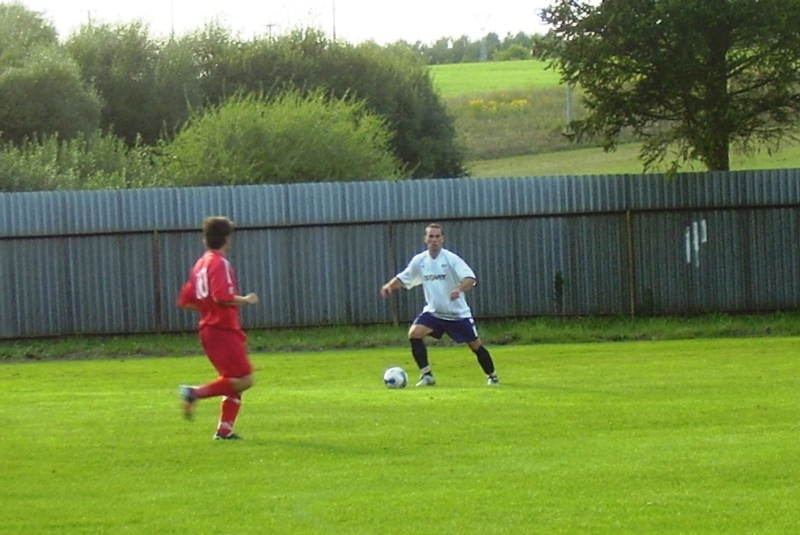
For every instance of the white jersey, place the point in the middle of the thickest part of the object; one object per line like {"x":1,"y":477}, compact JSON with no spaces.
{"x":439,"y":276}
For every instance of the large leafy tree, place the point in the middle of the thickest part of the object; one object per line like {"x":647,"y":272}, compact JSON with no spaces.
{"x":216,"y":56}
{"x":392,"y":81}
{"x":46,"y":96}
{"x":395,"y":84}
{"x":120,"y":60}
{"x":22,"y":30}
{"x":177,"y":88}
{"x":41,"y":89}
{"x":691,"y":78}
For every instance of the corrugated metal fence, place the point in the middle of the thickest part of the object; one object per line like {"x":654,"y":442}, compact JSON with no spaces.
{"x":113,"y":261}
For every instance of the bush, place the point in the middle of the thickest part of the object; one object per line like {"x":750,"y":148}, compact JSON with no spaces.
{"x":96,"y":161}
{"x":514,"y":52}
{"x":253,"y":139}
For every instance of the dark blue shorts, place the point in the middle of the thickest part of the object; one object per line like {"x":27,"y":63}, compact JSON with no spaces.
{"x":461,"y":330}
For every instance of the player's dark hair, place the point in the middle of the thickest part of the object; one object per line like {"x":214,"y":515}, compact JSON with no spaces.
{"x":215,"y":230}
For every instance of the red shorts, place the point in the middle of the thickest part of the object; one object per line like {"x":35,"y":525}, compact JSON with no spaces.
{"x":226,"y":351}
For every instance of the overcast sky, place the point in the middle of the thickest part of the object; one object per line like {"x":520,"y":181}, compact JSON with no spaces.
{"x":353,"y":20}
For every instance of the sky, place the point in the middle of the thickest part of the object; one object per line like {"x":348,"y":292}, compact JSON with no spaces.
{"x":353,"y":21}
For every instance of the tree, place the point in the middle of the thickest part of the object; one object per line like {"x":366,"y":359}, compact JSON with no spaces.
{"x":21,"y":31}
{"x":690,"y":78}
{"x":41,"y":89}
{"x":46,"y":95}
{"x":513,"y":52}
{"x":217,"y":56}
{"x":177,"y":88}
{"x":440,"y":52}
{"x":392,"y":81}
{"x":491,"y":44}
{"x":120,"y":62}
{"x":520,"y":39}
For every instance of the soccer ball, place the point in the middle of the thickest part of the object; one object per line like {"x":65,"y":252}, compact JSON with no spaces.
{"x":395,"y":377}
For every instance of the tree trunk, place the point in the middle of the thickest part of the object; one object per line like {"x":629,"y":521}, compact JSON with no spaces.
{"x":717,"y":125}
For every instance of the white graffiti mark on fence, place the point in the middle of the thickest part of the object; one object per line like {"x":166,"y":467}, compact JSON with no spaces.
{"x":695,"y":235}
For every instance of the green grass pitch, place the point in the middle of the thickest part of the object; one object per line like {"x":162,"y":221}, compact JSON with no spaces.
{"x":695,"y":436}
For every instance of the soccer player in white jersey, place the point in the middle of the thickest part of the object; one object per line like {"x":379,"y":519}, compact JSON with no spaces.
{"x":444,"y":277}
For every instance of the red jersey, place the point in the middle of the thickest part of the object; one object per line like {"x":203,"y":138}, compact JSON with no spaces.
{"x":212,"y":280}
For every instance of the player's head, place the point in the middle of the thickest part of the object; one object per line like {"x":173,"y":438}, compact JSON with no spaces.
{"x":434,"y":236}
{"x":217,"y":231}
{"x":435,"y":226}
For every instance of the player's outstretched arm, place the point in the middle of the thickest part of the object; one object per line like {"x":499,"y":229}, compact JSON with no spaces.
{"x":239,"y":300}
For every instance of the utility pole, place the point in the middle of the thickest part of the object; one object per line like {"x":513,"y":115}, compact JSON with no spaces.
{"x":484,"y":21}
{"x":334,"y":19}
{"x":172,"y":20}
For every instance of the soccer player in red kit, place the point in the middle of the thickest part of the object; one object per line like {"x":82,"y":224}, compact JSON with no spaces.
{"x":211,"y":290}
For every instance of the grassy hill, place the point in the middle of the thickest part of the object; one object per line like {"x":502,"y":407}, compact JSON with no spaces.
{"x":473,"y":79}
{"x":510,"y":117}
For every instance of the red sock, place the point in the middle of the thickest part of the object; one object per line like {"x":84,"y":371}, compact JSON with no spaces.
{"x":221,"y":386}
{"x":229,"y":411}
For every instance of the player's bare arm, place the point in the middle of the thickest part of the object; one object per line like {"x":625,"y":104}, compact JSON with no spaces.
{"x":239,"y":300}
{"x":466,"y":285}
{"x":389,"y":287}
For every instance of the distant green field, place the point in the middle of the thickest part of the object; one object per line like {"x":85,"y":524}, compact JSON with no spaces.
{"x":462,"y":79}
{"x":502,"y":138}
{"x":593,"y":161}
{"x":686,"y":436}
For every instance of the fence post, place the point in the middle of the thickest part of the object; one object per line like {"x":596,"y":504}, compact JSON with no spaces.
{"x":631,"y":271}
{"x":394,"y":304}
{"x":157,"y":282}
